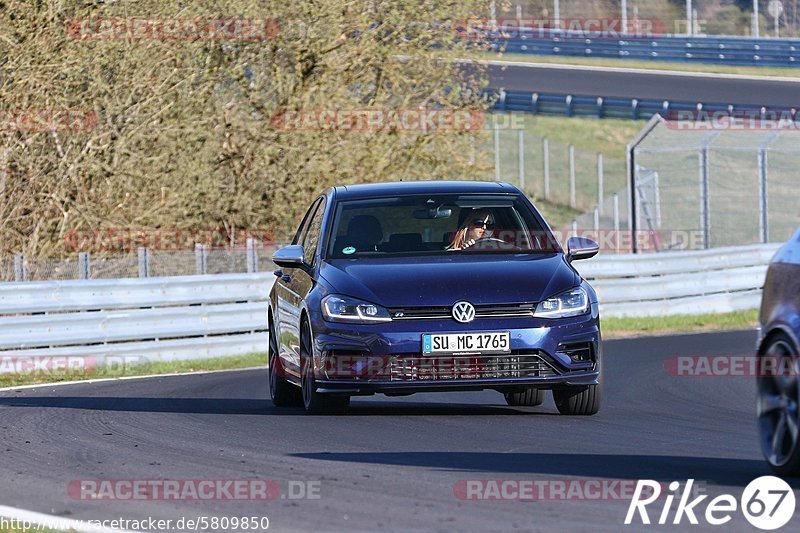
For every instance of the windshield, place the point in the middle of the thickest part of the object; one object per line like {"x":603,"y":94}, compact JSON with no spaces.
{"x":437,"y":225}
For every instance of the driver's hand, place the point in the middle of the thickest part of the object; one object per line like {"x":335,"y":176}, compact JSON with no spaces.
{"x":469,"y":243}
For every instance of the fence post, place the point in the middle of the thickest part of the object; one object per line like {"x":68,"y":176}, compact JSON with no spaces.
{"x":596,"y":222}
{"x":200,"y":258}
{"x":472,"y":150}
{"x":496,"y":151}
{"x":616,"y":221}
{"x":763,"y":218}
{"x":572,"y":199}
{"x":144,"y":262}
{"x":574,"y":228}
{"x":521,"y":135}
{"x":704,"y":203}
{"x":252,"y":256}
{"x":546,"y":159}
{"x":20,"y":273}
{"x":83,"y":265}
{"x":600,"y":182}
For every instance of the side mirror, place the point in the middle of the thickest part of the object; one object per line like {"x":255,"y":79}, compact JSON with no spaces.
{"x":289,"y":256}
{"x":580,"y":248}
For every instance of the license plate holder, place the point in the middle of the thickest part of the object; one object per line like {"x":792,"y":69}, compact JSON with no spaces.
{"x":467,"y":343}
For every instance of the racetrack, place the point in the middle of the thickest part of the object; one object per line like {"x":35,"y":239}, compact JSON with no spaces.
{"x":624,"y":83}
{"x":392,"y":462}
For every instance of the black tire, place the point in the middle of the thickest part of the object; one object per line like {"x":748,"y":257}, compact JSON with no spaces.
{"x":314,"y":402}
{"x":581,"y":401}
{"x":778,"y":419}
{"x":528,"y":398}
{"x":282,"y":393}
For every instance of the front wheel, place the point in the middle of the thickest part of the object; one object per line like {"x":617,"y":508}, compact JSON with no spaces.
{"x":578,"y":400}
{"x":314,"y":402}
{"x":528,"y":398}
{"x":778,"y":419}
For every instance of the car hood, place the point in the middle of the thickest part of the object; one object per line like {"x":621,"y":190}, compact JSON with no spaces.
{"x":442,"y":281}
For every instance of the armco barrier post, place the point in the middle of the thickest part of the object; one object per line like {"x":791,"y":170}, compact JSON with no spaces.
{"x":252,"y":256}
{"x":200,"y":258}
{"x":84,"y":265}
{"x":19,"y":268}
{"x":144,"y":262}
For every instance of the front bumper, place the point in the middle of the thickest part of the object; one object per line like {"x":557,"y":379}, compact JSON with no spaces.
{"x":397,"y":347}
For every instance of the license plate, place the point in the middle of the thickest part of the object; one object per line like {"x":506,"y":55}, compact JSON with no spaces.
{"x":466,"y":343}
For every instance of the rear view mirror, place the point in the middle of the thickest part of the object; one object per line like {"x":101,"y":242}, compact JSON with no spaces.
{"x":289,"y":256}
{"x":581,"y":248}
{"x":433,"y":213}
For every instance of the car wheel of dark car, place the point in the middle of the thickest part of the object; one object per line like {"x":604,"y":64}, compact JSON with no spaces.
{"x":527,"y":398}
{"x":578,"y":400}
{"x":314,"y":402}
{"x":778,"y":406}
{"x":282,"y":393}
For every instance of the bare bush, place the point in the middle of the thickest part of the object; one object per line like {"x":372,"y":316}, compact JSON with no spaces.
{"x":178,"y":133}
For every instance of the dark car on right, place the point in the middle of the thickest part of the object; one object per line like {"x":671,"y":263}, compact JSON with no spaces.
{"x":778,"y":348}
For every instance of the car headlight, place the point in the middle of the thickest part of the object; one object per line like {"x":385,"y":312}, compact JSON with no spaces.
{"x":336,"y":308}
{"x":571,"y":303}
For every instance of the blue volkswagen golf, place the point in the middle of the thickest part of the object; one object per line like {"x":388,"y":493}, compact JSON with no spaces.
{"x":400,"y":288}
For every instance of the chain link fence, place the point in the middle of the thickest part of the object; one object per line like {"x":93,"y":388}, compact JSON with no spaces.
{"x":255,"y":257}
{"x":573,"y":182}
{"x":729,"y":187}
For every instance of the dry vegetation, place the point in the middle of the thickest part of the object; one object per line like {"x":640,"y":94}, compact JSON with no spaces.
{"x":182,"y":135}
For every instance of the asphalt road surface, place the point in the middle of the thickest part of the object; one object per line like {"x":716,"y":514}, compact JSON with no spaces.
{"x":390,"y":463}
{"x":597,"y":81}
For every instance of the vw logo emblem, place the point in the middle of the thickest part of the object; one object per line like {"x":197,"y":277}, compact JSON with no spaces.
{"x":463,"y":312}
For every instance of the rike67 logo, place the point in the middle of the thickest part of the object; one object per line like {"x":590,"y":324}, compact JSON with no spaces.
{"x":767,"y":502}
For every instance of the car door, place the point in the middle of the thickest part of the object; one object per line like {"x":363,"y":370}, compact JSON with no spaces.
{"x":295,"y":284}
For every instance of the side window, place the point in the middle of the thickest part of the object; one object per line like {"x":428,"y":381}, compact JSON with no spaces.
{"x":312,"y":236}
{"x":303,"y":229}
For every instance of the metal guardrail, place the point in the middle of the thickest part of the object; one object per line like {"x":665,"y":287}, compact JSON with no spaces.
{"x":714,"y":50}
{"x":710,"y":281}
{"x":165,"y":318}
{"x":190,"y":317}
{"x":598,"y":106}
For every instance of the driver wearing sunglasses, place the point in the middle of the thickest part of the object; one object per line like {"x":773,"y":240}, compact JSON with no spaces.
{"x":476,"y":227}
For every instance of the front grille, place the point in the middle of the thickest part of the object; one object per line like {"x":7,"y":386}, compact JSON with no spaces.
{"x":420,"y":368}
{"x":481,"y":311}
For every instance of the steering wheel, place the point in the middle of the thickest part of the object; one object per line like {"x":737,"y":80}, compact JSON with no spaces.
{"x":505,"y":245}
